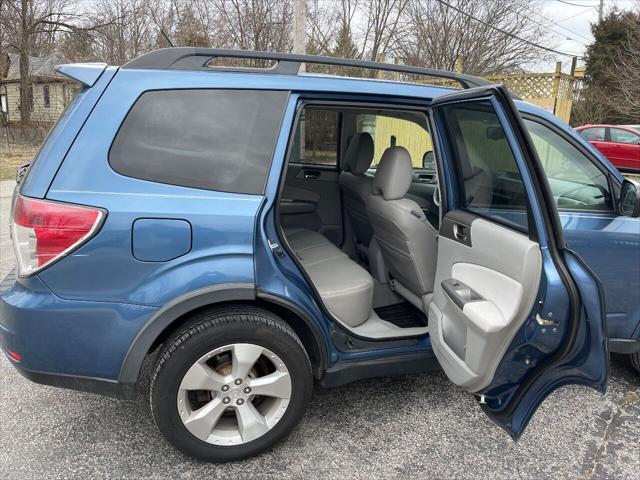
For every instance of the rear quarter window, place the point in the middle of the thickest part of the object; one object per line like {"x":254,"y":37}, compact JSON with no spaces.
{"x":219,"y":140}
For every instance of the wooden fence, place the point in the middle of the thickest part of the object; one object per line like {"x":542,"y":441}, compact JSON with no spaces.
{"x":554,"y":91}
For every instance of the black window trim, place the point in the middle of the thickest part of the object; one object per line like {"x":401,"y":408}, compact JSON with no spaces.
{"x":268,"y":170}
{"x":614,"y":185}
{"x":529,"y":230}
{"x":334,"y":101}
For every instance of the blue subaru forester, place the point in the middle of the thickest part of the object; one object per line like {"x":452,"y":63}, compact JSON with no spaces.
{"x":259,"y":229}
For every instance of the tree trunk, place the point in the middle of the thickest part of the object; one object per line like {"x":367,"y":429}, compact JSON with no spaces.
{"x":25,"y":79}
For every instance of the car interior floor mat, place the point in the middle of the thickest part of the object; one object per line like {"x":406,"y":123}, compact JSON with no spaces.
{"x":403,"y":315}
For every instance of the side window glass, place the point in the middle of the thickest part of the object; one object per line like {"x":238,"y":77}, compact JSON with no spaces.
{"x":593,"y":134}
{"x":576,"y":183}
{"x":316,"y":138}
{"x":624,"y":136}
{"x":219,"y":140}
{"x":389,"y":131}
{"x":490,"y":181}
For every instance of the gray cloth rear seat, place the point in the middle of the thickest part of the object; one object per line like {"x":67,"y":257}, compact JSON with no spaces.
{"x":301,"y":238}
{"x":356,"y":188}
{"x":345,"y":287}
{"x":407,"y":240}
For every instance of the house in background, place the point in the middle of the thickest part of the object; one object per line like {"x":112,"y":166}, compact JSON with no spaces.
{"x":50,"y":92}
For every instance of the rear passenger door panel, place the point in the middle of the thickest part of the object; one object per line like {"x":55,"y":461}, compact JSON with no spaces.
{"x":311,"y":199}
{"x":487,"y":279}
{"x":310,"y":196}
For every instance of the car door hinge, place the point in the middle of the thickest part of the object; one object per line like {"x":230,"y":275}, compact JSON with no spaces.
{"x":276,"y":248}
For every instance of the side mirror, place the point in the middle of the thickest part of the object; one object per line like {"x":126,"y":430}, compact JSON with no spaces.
{"x":630,"y":198}
{"x":429,"y":160}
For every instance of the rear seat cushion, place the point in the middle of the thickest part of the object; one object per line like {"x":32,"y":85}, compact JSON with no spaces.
{"x":345,"y":287}
{"x":301,"y":238}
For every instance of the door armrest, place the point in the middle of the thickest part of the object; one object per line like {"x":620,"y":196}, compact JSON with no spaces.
{"x":459,"y":293}
{"x":291,"y":207}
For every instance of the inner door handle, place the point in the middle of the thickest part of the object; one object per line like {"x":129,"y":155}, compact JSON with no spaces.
{"x":311,"y":174}
{"x":460,"y":231}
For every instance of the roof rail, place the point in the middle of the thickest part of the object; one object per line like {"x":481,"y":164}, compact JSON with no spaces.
{"x":192,"y":58}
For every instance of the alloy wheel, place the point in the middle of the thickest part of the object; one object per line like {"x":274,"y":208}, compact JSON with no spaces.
{"x":234,"y":394}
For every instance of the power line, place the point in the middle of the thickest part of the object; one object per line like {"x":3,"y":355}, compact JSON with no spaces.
{"x":564,"y":19}
{"x":562,"y":26}
{"x":576,"y":4}
{"x":586,"y":5}
{"x":509,"y":34}
{"x":547,"y":26}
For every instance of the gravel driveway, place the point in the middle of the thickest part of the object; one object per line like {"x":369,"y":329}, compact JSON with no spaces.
{"x":417,"y":426}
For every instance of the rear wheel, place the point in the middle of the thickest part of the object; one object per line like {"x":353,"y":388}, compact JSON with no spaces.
{"x":233,"y":383}
{"x":635,"y":361}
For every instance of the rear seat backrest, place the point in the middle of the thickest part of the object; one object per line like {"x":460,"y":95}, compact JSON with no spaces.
{"x":356,"y":187}
{"x":407,"y":240}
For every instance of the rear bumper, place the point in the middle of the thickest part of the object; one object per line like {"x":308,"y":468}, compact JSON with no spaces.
{"x":71,"y":344}
{"x":84,"y":384}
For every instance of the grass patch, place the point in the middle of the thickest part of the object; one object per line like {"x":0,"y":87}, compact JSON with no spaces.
{"x":10,"y":161}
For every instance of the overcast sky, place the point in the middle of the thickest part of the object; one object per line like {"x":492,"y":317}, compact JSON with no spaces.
{"x":574,"y":23}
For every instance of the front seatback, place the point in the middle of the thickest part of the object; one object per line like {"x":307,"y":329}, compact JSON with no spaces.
{"x":407,"y":240}
{"x":356,"y":187}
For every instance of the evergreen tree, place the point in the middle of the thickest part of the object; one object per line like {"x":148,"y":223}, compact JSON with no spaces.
{"x":189,"y":31}
{"x":601,"y":96}
{"x":345,"y":46}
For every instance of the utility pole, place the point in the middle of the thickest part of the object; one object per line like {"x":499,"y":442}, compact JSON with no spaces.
{"x":600,"y":11}
{"x":299,"y":15}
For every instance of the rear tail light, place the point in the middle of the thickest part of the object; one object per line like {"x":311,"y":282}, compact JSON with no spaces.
{"x":44,"y":231}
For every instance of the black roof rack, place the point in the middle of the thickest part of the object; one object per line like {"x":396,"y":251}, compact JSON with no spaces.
{"x":190,"y":58}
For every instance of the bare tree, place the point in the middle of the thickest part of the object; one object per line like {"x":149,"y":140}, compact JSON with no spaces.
{"x":126,"y":31}
{"x":354,"y":28}
{"x":254,"y":24}
{"x":323,"y":23}
{"x":436,"y":34}
{"x":383,"y":22}
{"x":28,"y":25}
{"x":39,"y":27}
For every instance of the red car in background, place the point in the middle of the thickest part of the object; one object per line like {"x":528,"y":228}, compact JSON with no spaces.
{"x":619,"y":143}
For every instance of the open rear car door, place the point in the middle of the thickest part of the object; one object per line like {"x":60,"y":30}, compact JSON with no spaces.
{"x":514,"y":314}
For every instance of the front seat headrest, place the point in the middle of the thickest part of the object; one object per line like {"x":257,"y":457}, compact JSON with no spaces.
{"x":394,"y":174}
{"x":359,"y":154}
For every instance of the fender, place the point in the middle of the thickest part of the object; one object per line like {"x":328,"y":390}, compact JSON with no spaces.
{"x":176,"y":308}
{"x":319,"y":343}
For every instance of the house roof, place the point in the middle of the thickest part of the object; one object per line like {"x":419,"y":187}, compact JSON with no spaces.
{"x":38,"y":66}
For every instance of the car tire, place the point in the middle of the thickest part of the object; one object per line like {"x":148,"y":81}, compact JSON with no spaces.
{"x":635,"y":361}
{"x":225,"y":333}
